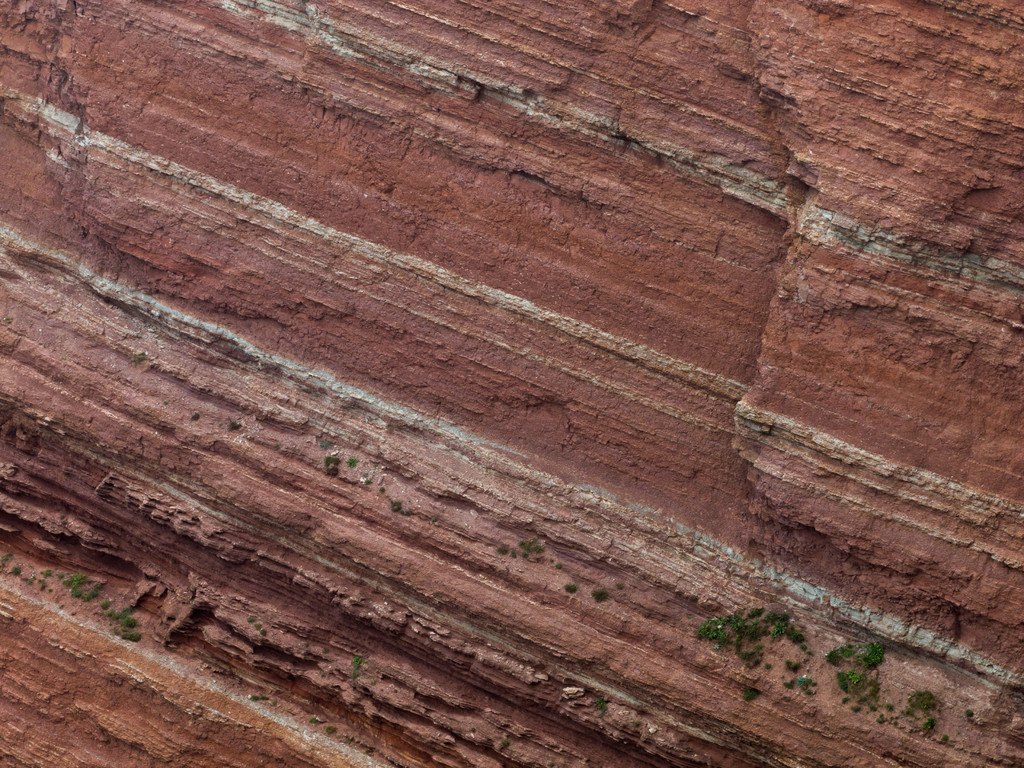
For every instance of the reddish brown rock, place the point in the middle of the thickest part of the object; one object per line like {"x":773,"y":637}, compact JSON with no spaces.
{"x":424,"y":375}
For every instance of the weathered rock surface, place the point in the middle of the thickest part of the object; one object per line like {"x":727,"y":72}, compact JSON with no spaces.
{"x":409,"y":381}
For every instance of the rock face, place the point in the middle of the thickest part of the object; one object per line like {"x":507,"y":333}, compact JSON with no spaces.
{"x":407,"y":383}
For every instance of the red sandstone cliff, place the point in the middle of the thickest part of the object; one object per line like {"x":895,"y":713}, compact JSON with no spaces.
{"x":408,"y":382}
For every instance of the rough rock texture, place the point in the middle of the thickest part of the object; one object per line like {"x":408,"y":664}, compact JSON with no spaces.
{"x":339,"y":339}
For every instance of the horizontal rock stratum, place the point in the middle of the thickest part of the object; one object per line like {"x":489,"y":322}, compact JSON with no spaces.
{"x":512,"y":384}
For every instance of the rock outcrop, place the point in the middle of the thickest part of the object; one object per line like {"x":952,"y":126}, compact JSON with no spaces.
{"x":414,"y":383}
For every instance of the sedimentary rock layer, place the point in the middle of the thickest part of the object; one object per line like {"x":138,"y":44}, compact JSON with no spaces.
{"x":405,"y":383}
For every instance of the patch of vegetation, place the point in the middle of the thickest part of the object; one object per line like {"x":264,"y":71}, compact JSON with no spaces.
{"x":858,"y":675}
{"x":503,"y":745}
{"x":358,"y":662}
{"x":571,"y":588}
{"x":792,"y":666}
{"x":945,"y":738}
{"x":6,"y":557}
{"x":257,"y":697}
{"x":806,"y":684}
{"x":600,"y":594}
{"x":352,"y":462}
{"x":921,"y":701}
{"x":330,"y":730}
{"x":969,"y":713}
{"x":928,"y":724}
{"x":16,"y":570}
{"x":139,"y":358}
{"x":81,"y":587}
{"x":325,"y":445}
{"x":743,"y":629}
{"x":234,"y":426}
{"x":194,"y":417}
{"x":530,"y":547}
{"x":502,"y":550}
{"x":331,"y":465}
{"x":125,"y":623}
{"x":601,"y":705}
{"x":750,"y":694}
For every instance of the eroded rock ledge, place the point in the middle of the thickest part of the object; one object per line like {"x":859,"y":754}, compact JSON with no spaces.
{"x":406,"y":384}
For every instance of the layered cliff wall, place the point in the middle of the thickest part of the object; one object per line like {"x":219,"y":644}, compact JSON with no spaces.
{"x":406,"y":383}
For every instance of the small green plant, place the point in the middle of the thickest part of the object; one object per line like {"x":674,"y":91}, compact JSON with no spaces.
{"x":330,"y":730}
{"x":792,"y":666}
{"x":139,"y":358}
{"x":791,"y":684}
{"x":969,"y":713}
{"x":601,"y":705}
{"x":234,"y":426}
{"x":881,"y":718}
{"x":47,"y":573}
{"x":928,"y":724}
{"x":945,"y":738}
{"x":855,"y":708}
{"x":600,"y":595}
{"x":571,"y":588}
{"x":503,"y":745}
{"x":325,"y":445}
{"x":502,"y":550}
{"x":251,"y":619}
{"x":258,"y":697}
{"x":352,"y":462}
{"x":6,"y":557}
{"x":750,"y":694}
{"x":331,"y":465}
{"x":194,"y":417}
{"x":131,"y":636}
{"x":767,"y":665}
{"x":314,"y":720}
{"x":396,"y":506}
{"x":357,"y":664}
{"x":16,"y":570}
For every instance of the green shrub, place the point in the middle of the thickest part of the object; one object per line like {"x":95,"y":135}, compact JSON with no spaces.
{"x":750,"y":694}
{"x":571,"y":588}
{"x":928,"y":724}
{"x":600,"y":595}
{"x":352,"y":462}
{"x":357,"y":665}
{"x":601,"y":705}
{"x":234,"y":425}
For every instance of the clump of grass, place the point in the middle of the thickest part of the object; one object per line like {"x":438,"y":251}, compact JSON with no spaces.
{"x":750,"y":694}
{"x":330,"y":730}
{"x":139,"y":358}
{"x":502,"y":550}
{"x":928,"y":724}
{"x":601,"y":705}
{"x":258,"y":697}
{"x":503,"y":745}
{"x":352,"y":462}
{"x":571,"y":588}
{"x":600,"y":594}
{"x":234,"y":426}
{"x":358,"y":662}
{"x":16,"y":570}
{"x":969,"y":713}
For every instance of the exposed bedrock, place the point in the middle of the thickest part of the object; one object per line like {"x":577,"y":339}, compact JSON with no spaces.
{"x":406,"y":384}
